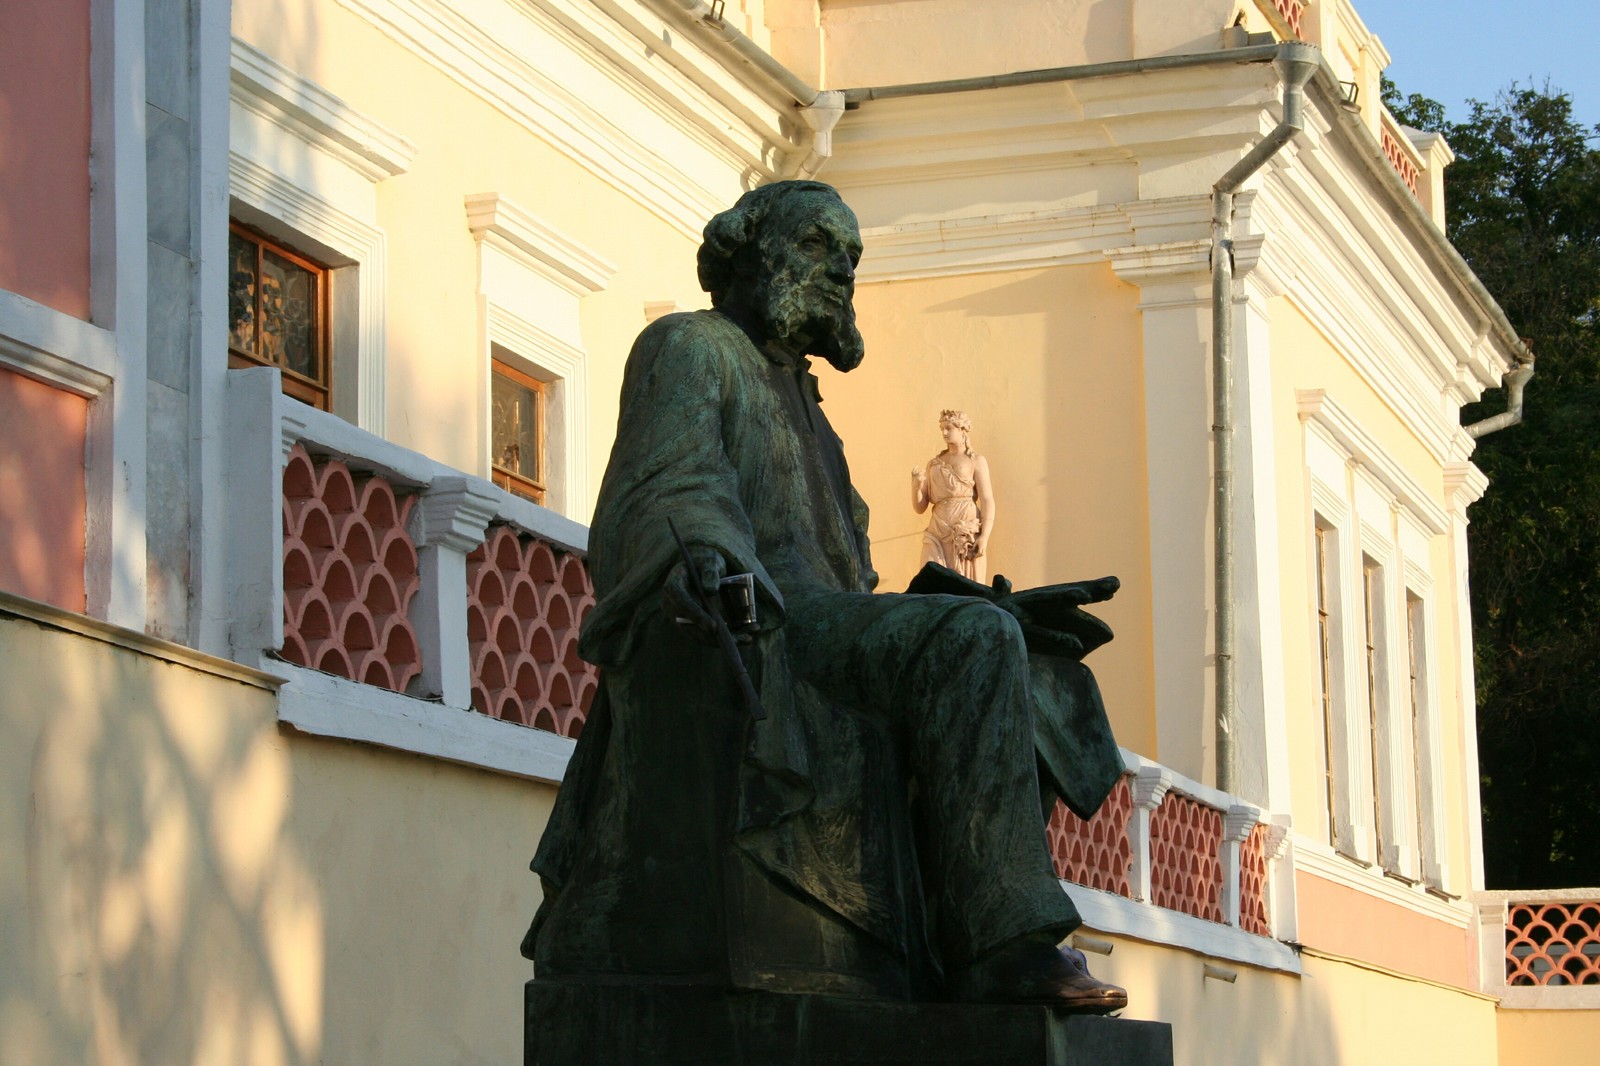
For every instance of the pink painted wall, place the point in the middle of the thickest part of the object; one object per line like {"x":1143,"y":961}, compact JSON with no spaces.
{"x":44,"y":152}
{"x":42,"y":491}
{"x":1342,"y":921}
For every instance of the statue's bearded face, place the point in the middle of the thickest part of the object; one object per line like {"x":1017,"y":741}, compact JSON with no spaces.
{"x":809,"y":247}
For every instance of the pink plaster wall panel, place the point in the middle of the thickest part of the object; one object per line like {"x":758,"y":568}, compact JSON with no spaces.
{"x":525,"y":602}
{"x":1344,"y":921}
{"x":1095,"y":853}
{"x":349,"y":573}
{"x":1186,"y":857}
{"x":42,"y":495}
{"x":44,"y":152}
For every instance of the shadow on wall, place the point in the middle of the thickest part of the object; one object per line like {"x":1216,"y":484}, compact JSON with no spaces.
{"x":160,"y":913}
{"x":191,"y":885}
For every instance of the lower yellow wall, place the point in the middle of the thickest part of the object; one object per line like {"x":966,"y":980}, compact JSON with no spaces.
{"x":1048,"y":365}
{"x":1334,"y":1012}
{"x":1542,"y":1037}
{"x":187,"y":884}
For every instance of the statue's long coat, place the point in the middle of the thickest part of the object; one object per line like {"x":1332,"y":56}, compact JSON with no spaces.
{"x":670,"y":773}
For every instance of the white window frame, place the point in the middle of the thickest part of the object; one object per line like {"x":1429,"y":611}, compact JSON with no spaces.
{"x":1379,"y":517}
{"x":531,"y":281}
{"x":303,"y":166}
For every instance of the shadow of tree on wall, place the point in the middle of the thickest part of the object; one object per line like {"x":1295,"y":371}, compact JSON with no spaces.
{"x":195,"y":885}
{"x":160,"y":911}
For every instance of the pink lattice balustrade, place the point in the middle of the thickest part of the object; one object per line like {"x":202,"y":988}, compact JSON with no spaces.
{"x":1095,"y":853}
{"x":1400,"y":159}
{"x":1253,"y":883}
{"x":1293,"y":11}
{"x":1553,"y":943}
{"x":349,"y":573}
{"x":1186,"y":857}
{"x":525,"y":602}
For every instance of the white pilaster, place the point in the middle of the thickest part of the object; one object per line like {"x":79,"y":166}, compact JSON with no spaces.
{"x":1464,"y":485}
{"x":1174,"y":305}
{"x":1237,"y":822}
{"x":1261,"y":732}
{"x":1150,"y":785}
{"x":448,"y":523}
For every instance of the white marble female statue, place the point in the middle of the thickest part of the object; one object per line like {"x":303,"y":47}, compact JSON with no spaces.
{"x":955,"y":483}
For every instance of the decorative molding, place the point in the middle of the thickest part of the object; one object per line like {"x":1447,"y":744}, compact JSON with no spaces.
{"x":566,"y":366}
{"x":1150,"y":786}
{"x":328,"y":706}
{"x":1315,"y":857}
{"x":1143,"y":265}
{"x":455,"y":513}
{"x":305,"y":110}
{"x":1316,"y":406}
{"x":995,"y":180}
{"x":598,"y":92}
{"x":1146,"y":239}
{"x":1464,"y":485}
{"x":1238,"y":820}
{"x":1277,"y":838}
{"x":537,"y":245}
{"x":532,"y":279}
{"x":348,"y":234}
{"x":57,"y":348}
{"x":53,"y":617}
{"x":1116,"y":915}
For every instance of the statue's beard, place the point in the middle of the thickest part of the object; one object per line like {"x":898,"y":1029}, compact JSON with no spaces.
{"x":821,"y":323}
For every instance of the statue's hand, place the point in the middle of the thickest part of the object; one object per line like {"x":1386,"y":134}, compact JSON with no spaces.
{"x":1053,"y":621}
{"x":678,"y":599}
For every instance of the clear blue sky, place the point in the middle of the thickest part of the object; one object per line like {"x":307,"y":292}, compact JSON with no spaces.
{"x":1455,"y":50}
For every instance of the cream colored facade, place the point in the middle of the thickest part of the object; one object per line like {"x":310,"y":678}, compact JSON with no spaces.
{"x":194,"y":884}
{"x":227,"y":858}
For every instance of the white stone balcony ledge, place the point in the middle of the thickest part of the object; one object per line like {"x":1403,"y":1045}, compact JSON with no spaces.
{"x":1540,"y":950}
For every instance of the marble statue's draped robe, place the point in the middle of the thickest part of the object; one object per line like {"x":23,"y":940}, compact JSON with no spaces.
{"x":673,"y":790}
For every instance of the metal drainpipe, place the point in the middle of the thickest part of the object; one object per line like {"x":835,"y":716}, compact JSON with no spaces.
{"x":709,"y":19}
{"x":1516,"y":380}
{"x":1296,"y":64}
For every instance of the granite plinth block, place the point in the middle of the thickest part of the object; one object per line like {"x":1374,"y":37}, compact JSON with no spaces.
{"x":593,"y":1024}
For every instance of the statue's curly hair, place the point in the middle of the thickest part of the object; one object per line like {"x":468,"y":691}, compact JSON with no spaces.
{"x":730,"y":233}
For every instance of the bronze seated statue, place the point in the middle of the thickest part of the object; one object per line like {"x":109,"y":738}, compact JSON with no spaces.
{"x":864,"y":815}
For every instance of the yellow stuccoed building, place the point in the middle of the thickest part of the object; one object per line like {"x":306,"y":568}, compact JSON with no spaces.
{"x":311,"y":385}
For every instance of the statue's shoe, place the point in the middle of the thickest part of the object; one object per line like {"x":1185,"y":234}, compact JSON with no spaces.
{"x":1031,"y":971}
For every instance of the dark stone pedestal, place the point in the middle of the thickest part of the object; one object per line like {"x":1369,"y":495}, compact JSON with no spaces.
{"x":587,"y":1024}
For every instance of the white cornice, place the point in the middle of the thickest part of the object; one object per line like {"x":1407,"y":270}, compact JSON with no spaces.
{"x":993,"y":242}
{"x":537,"y":245}
{"x":1316,"y":406}
{"x":266,"y":87}
{"x":679,"y":135}
{"x":1059,"y":174}
{"x":1141,"y":237}
{"x":1176,"y":260}
{"x":1464,"y":485}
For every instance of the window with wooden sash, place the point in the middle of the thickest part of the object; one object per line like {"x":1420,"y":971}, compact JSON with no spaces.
{"x":1372,"y":610}
{"x":1327,"y":580}
{"x":517,"y":433}
{"x":278,"y":314}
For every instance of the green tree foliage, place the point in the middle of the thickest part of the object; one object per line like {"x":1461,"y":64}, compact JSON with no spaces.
{"x":1523,"y":200}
